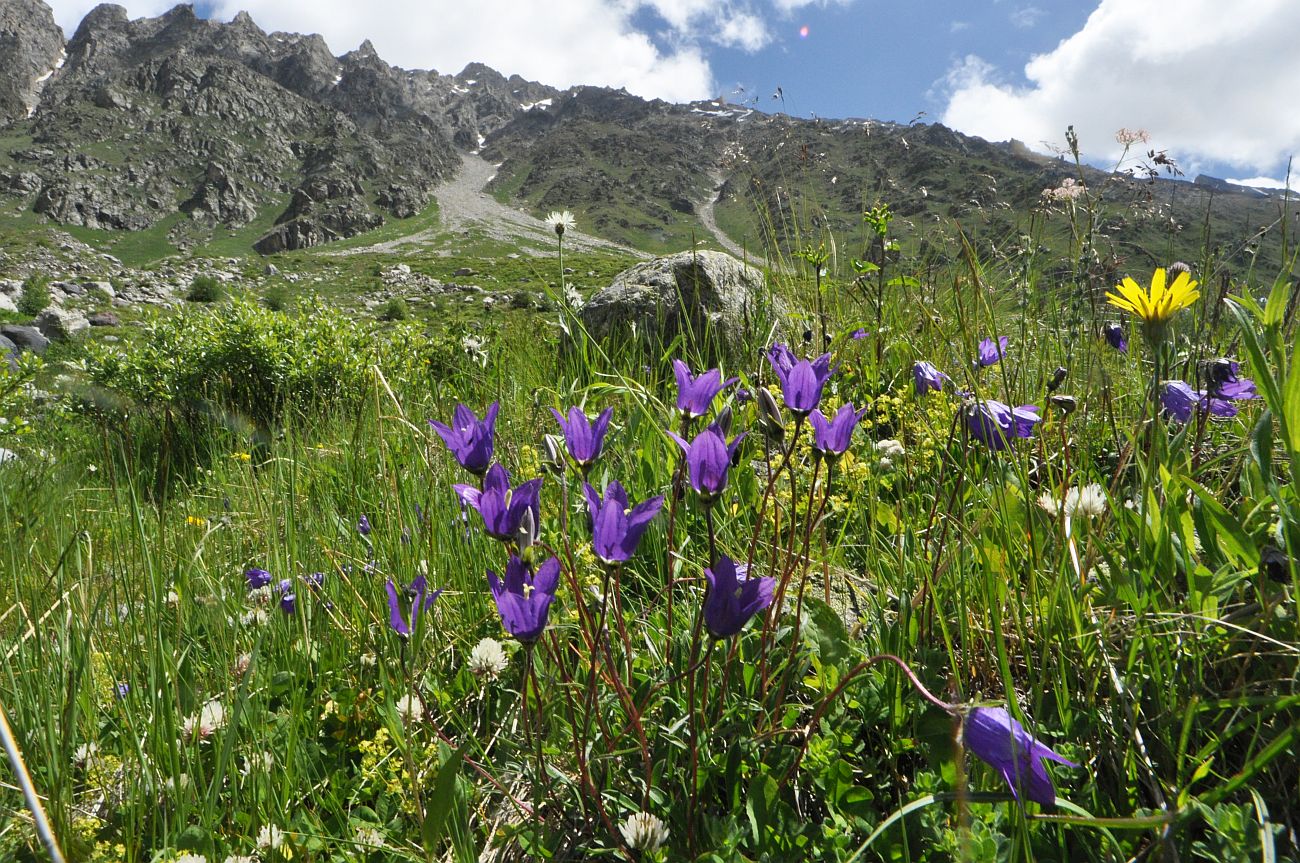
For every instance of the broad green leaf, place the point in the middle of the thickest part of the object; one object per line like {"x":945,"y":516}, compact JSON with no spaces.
{"x":1232,"y":537}
{"x":440,"y":801}
{"x":824,"y":632}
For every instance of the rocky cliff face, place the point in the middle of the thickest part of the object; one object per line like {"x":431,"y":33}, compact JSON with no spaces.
{"x":31,"y":50}
{"x":134,"y":122}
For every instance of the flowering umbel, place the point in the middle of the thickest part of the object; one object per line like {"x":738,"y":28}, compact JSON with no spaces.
{"x":469,"y":438}
{"x":1002,"y":743}
{"x":524,"y":599}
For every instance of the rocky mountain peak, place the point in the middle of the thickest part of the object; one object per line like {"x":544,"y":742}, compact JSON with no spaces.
{"x":31,"y":51}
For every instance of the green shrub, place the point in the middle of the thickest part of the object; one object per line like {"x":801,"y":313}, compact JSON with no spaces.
{"x":35,"y":296}
{"x":278,"y":299}
{"x":394,"y":310}
{"x":205,"y":289}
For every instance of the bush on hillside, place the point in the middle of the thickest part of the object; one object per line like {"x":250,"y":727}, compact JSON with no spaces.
{"x":35,"y":295}
{"x":205,"y":289}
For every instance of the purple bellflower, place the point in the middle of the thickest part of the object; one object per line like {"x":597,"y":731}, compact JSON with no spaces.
{"x":802,"y":381}
{"x":1223,"y":382}
{"x":1002,"y":743}
{"x":468,"y":438}
{"x":582,"y":437}
{"x":524,"y":599}
{"x":417,"y":599}
{"x":708,"y":459}
{"x":733,"y":598}
{"x":363,"y":525}
{"x":990,"y":351}
{"x":257,"y":578}
{"x":831,"y":437}
{"x":288,"y":602}
{"x":995,"y":424}
{"x":501,"y":506}
{"x":927,"y":377}
{"x":1116,"y":337}
{"x":616,"y":526}
{"x":1179,"y":400}
{"x":696,"y":393}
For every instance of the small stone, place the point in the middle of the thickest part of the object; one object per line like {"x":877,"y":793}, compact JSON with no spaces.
{"x":104,"y":319}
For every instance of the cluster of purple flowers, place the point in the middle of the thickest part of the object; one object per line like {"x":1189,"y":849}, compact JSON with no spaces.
{"x":259,"y":579}
{"x":1223,"y":386}
{"x":991,"y":422}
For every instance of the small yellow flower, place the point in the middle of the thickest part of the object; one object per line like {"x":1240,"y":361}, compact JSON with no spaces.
{"x":1158,"y":305}
{"x":241,"y":456}
{"x":196,"y":521}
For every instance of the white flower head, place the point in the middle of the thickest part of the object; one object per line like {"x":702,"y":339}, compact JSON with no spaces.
{"x":84,"y":754}
{"x":206,"y":722}
{"x":1049,"y":504}
{"x":1087,"y":501}
{"x":240,"y":858}
{"x":409,"y":707}
{"x":191,"y":858}
{"x":488,"y":659}
{"x":644,"y":832}
{"x":270,"y":836}
{"x":559,"y":222}
{"x":369,"y":837}
{"x":890,"y":448}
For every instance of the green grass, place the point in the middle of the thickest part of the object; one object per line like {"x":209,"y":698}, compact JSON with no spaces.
{"x":1152,"y":643}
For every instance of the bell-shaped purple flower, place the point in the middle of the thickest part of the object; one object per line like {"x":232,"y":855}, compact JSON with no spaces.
{"x":616,"y":526}
{"x":1179,"y":400}
{"x":995,"y":423}
{"x":502,"y":507}
{"x":363,"y":525}
{"x":257,"y":578}
{"x":583,"y":438}
{"x":1002,"y":743}
{"x":802,"y":381}
{"x":1223,"y":382}
{"x":1116,"y":337}
{"x":990,"y":351}
{"x":831,"y":437}
{"x":927,"y":377}
{"x":468,"y":438}
{"x":733,"y":598}
{"x":523,"y":599}
{"x":708,"y":459}
{"x":406,"y":606}
{"x":696,"y":394}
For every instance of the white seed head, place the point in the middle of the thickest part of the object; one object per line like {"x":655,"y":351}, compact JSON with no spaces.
{"x":644,"y":832}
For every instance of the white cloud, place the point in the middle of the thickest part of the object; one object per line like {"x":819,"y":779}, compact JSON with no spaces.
{"x":1207,"y":85}
{"x":1264,"y":183}
{"x":1026,"y":17}
{"x":562,"y":44}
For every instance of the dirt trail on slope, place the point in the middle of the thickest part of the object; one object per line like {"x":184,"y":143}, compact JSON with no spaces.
{"x":465,"y":203}
{"x":705,"y":213}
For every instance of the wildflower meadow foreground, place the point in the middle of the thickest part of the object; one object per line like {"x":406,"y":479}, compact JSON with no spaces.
{"x":976,"y":565}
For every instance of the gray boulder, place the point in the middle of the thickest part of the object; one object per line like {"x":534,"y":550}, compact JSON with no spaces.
{"x":7,"y":304}
{"x":8,"y":353}
{"x":712,"y":299}
{"x":104,"y":319}
{"x":60,"y":325}
{"x":26,"y":338}
{"x":7,"y":456}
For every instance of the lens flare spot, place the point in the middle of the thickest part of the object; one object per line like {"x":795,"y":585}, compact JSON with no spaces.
{"x":803,"y":32}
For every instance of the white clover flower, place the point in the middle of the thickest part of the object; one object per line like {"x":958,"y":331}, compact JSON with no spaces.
{"x":206,"y":723}
{"x":409,"y":707}
{"x":85,"y":753}
{"x":270,"y":836}
{"x":240,"y":858}
{"x":644,"y":832}
{"x":1087,"y":501}
{"x":488,"y":659}
{"x":890,"y":449}
{"x":259,"y":761}
{"x":368,"y":836}
{"x":559,"y":222}
{"x":1049,"y":504}
{"x":191,"y":858}
{"x":255,"y":617}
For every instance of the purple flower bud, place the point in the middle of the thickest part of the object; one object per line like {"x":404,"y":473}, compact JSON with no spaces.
{"x":288,"y":603}
{"x":733,"y":598}
{"x":469,"y":439}
{"x":1002,"y":743}
{"x":363,"y":526}
{"x":616,"y":525}
{"x":524,"y":599}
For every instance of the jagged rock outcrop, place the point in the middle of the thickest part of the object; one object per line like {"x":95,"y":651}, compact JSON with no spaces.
{"x":31,"y":51}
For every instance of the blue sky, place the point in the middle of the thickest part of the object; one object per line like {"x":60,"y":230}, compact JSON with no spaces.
{"x":1212,"y":83}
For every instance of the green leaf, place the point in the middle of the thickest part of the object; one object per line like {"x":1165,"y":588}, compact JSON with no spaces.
{"x":440,"y":801}
{"x":824,"y":632}
{"x":1231,"y":536}
{"x":1275,"y":310}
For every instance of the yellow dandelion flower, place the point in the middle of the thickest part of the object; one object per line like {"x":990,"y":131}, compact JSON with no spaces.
{"x":1160,"y":303}
{"x":196,"y":521}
